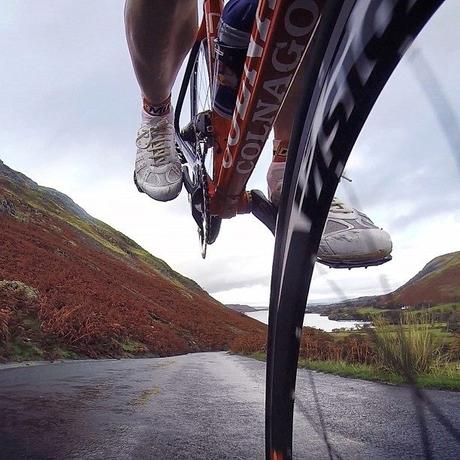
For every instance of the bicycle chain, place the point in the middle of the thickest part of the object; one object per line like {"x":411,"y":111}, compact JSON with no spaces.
{"x":206,"y":218}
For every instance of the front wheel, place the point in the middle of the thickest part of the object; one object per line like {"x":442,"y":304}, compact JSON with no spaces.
{"x":354,"y":51}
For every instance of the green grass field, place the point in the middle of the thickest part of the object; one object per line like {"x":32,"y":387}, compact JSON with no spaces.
{"x":438,"y":329}
{"x":370,"y":310}
{"x":446,"y":377}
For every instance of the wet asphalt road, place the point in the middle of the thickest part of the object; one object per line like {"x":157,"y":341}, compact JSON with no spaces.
{"x":201,"y":406}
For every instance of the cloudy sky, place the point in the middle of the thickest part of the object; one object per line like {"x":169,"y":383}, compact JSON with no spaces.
{"x":70,"y":109}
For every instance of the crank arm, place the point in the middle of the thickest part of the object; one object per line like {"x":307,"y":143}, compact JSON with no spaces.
{"x":264,"y":210}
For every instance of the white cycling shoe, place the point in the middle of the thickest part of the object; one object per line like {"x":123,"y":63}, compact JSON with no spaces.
{"x":350,"y":238}
{"x":158,"y":171}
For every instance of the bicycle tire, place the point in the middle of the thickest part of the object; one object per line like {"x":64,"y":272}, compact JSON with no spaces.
{"x":196,"y":82}
{"x":324,"y":133}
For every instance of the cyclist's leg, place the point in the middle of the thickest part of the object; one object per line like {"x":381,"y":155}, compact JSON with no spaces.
{"x":367,"y":244}
{"x":160,"y":33}
{"x":285,"y":119}
{"x":282,"y":133}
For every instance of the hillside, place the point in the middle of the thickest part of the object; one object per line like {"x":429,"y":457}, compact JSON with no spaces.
{"x":70,"y":283}
{"x":437,"y":283}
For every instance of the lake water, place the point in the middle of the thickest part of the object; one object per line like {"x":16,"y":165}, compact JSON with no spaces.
{"x":310,"y":319}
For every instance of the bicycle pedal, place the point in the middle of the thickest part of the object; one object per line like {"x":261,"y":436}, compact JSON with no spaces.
{"x":356,"y":264}
{"x":264,"y":209}
{"x":188,"y":133}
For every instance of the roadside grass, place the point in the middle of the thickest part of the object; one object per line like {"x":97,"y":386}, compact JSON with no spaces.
{"x":410,"y":349}
{"x":132,"y":347}
{"x":445,"y":377}
{"x":61,"y":353}
{"x":358,"y":371}
{"x":20,"y":349}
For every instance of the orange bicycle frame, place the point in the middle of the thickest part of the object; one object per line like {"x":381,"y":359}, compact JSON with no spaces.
{"x":279,"y":38}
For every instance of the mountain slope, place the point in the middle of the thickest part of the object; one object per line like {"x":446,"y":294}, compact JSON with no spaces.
{"x":96,"y":292}
{"x":437,"y":283}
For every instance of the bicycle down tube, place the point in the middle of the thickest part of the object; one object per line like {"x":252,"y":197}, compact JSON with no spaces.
{"x":280,"y":35}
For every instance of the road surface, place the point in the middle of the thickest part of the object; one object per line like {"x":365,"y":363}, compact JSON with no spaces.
{"x":202,"y":406}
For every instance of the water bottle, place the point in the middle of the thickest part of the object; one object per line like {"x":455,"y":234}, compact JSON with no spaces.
{"x":231,"y":47}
